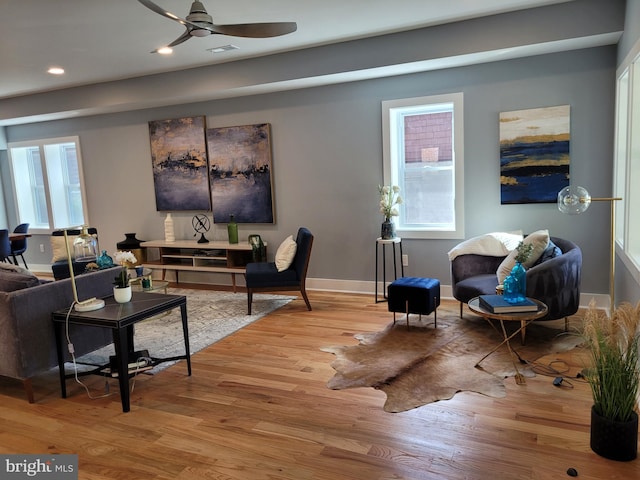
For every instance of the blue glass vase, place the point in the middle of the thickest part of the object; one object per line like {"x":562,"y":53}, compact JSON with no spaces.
{"x":510,"y":291}
{"x":104,"y":260}
{"x":520,"y":274}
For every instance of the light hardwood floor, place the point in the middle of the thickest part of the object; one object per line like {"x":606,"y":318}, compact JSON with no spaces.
{"x":257,"y":408}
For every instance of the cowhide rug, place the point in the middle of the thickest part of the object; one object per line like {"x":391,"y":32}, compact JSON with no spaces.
{"x":418,"y":365}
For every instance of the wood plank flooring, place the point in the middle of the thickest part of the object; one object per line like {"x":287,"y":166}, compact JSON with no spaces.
{"x":257,"y":408}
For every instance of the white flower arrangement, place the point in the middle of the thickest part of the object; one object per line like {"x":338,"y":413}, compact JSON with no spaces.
{"x":389,"y":198}
{"x":123,"y":257}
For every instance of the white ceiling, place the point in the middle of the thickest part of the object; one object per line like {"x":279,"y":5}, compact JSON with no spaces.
{"x":104,"y":40}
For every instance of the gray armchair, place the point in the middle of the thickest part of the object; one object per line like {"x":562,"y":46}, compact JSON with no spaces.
{"x":555,"y":282}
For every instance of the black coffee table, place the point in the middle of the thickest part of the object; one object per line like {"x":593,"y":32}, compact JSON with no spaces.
{"x":120,"y":319}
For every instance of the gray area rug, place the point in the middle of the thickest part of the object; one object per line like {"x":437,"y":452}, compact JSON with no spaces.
{"x":213,"y":315}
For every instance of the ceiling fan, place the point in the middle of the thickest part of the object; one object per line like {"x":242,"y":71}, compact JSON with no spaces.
{"x":200,"y":24}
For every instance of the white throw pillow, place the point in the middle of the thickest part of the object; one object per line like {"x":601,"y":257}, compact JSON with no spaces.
{"x":539,"y":240}
{"x":286,"y":253}
{"x":495,"y":244}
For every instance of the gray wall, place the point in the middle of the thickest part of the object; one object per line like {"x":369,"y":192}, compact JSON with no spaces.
{"x":631,"y":29}
{"x":328,"y":161}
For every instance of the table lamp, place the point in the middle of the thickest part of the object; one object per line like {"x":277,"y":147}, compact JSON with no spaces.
{"x":85,"y":249}
{"x":574,"y":200}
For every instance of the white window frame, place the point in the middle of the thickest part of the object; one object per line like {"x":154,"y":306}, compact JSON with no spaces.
{"x":391,"y":110}
{"x":55,"y":190}
{"x":626,"y":162}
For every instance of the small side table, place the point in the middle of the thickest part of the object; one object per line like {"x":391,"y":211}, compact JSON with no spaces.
{"x":382,"y":243}
{"x":525,"y":318}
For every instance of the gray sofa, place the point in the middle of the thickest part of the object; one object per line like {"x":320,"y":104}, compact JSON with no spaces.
{"x":27,"y":341}
{"x":555,"y":281}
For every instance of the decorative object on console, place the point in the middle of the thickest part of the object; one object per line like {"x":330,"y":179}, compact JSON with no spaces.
{"x":179,"y":163}
{"x":614,"y":378}
{"x":85,"y":247}
{"x":104,"y":260}
{"x":389,"y":199}
{"x":574,"y":200}
{"x":122,"y":288}
{"x":240,"y":173}
{"x":132,"y":244}
{"x":534,"y":166}
{"x":232,"y":230}
{"x":258,"y":250}
{"x":201,"y":225}
{"x":169,"y":235}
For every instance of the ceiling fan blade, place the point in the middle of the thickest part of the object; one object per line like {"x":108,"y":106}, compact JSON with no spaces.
{"x":155,"y":8}
{"x":181,"y":39}
{"x":255,"y":30}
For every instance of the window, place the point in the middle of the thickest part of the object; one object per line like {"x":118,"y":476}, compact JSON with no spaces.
{"x":423,"y":154}
{"x":627,"y":162}
{"x":47,"y":182}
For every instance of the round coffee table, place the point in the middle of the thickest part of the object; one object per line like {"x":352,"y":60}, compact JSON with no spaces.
{"x":525,"y":318}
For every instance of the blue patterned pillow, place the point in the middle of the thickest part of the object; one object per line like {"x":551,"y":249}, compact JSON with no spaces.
{"x":550,"y":252}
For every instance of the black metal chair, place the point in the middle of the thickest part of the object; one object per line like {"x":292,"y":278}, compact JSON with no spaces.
{"x":265,"y":277}
{"x":18,"y":247}
{"x":5,"y":246}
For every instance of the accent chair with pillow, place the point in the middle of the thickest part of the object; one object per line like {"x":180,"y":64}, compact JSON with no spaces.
{"x":553,"y":277}
{"x":287,"y":272}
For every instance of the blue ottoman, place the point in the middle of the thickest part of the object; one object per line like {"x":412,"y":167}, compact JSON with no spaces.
{"x":414,"y":295}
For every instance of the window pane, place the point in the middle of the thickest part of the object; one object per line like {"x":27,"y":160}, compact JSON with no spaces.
{"x":633,"y":194}
{"x":620,"y":162}
{"x":427,"y":179}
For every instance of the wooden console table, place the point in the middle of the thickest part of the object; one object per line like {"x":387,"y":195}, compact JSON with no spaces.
{"x":191,"y":256}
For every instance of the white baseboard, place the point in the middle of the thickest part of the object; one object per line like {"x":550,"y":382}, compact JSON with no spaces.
{"x":368,"y":288}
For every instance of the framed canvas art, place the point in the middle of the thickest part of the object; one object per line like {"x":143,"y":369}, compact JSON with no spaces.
{"x":534,"y":154}
{"x":179,"y":161}
{"x":240,"y":173}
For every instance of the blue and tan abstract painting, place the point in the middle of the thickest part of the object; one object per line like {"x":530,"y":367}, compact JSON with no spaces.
{"x":179,"y":160}
{"x":534,"y":154}
{"x":240,"y":173}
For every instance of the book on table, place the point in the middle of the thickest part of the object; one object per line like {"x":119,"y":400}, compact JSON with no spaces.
{"x":497,"y":304}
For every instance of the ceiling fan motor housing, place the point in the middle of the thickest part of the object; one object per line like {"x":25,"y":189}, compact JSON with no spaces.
{"x":199,"y":15}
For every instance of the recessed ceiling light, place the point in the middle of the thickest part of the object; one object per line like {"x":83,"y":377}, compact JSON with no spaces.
{"x":165,"y":51}
{"x":56,"y":71}
{"x":223,"y":48}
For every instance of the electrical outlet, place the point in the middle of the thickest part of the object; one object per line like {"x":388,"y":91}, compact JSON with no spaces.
{"x":405,"y":260}
{"x":41,"y":248}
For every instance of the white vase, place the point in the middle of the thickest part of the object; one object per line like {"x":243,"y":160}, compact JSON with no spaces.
{"x":169,"y":235}
{"x":122,"y":294}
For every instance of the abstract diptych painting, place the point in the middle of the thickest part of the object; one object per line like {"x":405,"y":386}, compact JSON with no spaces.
{"x":226,"y":170}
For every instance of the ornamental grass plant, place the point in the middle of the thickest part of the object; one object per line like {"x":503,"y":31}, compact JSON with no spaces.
{"x":614,"y":373}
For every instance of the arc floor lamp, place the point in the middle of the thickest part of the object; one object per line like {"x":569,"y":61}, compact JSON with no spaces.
{"x":574,"y":200}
